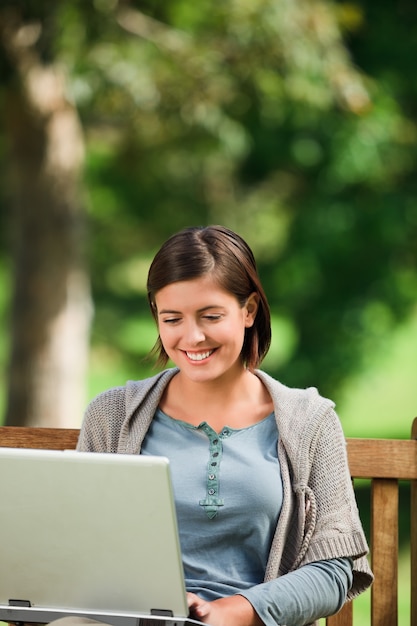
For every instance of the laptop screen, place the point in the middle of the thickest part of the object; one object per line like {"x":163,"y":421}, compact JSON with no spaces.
{"x":89,"y":531}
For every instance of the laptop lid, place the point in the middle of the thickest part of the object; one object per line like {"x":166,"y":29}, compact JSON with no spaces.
{"x":85,"y":532}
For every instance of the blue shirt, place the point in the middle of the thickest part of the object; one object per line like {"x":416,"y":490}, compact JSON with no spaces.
{"x":228,"y":495}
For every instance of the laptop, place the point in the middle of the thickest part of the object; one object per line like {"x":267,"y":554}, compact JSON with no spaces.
{"x":89,"y":534}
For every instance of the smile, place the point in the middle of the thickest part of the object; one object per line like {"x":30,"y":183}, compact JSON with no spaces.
{"x":199,"y":356}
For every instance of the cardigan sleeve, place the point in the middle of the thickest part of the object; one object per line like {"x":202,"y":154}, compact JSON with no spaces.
{"x":333,"y":526}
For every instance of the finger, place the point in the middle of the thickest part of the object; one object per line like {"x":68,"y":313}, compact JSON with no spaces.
{"x":200,"y":607}
{"x":192,"y":599}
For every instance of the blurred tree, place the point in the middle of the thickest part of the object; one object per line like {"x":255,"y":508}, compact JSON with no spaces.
{"x":253,"y":115}
{"x":50,"y":313}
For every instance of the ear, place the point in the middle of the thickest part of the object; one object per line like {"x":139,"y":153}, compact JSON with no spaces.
{"x":251,"y":308}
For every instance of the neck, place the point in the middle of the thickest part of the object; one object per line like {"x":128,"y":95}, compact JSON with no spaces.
{"x":237,"y":401}
{"x":216,"y":391}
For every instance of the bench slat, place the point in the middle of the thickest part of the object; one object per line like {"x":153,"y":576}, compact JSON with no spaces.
{"x":46,"y":438}
{"x":384,"y":552}
{"x":413,"y":539}
{"x":373,"y":458}
{"x":382,"y":458}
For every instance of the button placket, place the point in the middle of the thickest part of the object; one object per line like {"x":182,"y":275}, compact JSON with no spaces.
{"x":212,"y":502}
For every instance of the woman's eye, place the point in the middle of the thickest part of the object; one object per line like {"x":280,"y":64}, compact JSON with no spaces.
{"x":212,"y":318}
{"x":171,"y":320}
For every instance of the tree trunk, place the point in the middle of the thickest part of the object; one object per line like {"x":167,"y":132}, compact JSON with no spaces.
{"x":50,"y":312}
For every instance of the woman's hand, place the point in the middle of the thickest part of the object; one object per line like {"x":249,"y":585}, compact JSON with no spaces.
{"x":230,"y":611}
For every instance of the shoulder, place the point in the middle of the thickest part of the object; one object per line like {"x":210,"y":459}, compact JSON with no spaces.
{"x":148,"y":390}
{"x":301,"y":416}
{"x":128,"y":396}
{"x":110,"y":409}
{"x":292,"y":403}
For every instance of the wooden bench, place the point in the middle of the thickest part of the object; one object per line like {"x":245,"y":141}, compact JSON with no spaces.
{"x":383,"y":461}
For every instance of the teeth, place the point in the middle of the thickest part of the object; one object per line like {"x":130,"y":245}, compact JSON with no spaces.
{"x":200,"y":356}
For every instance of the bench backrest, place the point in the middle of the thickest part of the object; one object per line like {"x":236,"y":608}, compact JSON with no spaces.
{"x":383,"y":461}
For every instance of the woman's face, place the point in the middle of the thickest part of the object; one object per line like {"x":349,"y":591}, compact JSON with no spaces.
{"x":202,"y":327}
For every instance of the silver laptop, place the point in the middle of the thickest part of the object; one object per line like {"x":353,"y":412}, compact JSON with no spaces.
{"x":89,"y":534}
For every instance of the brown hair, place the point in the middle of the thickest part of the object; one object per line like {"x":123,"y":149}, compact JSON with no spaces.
{"x":215,"y":250}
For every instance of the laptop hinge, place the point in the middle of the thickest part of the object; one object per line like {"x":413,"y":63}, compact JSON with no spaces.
{"x":15,"y":602}
{"x":162,"y":612}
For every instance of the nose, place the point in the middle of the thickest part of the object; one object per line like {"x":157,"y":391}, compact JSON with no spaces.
{"x":193,"y":333}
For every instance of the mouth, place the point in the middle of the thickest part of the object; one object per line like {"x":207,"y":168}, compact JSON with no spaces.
{"x":199,"y":356}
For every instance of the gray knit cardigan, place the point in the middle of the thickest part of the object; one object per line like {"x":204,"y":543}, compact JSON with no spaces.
{"x":319,"y":517}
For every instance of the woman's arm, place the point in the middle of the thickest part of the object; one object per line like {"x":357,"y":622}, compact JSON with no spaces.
{"x":314,"y":591}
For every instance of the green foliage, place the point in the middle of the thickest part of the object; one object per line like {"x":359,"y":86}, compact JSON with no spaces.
{"x":292,"y":122}
{"x":380,"y":400}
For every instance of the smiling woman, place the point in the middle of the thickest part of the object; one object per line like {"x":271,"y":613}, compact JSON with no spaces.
{"x":224,"y":257}
{"x":268,"y":524}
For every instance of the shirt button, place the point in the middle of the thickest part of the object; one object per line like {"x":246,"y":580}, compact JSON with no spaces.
{"x":211,"y":492}
{"x":212,"y":476}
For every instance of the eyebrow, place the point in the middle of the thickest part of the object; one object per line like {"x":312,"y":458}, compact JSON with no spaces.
{"x":204,"y":308}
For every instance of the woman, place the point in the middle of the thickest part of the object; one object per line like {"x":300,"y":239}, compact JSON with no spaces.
{"x":268,"y":523}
